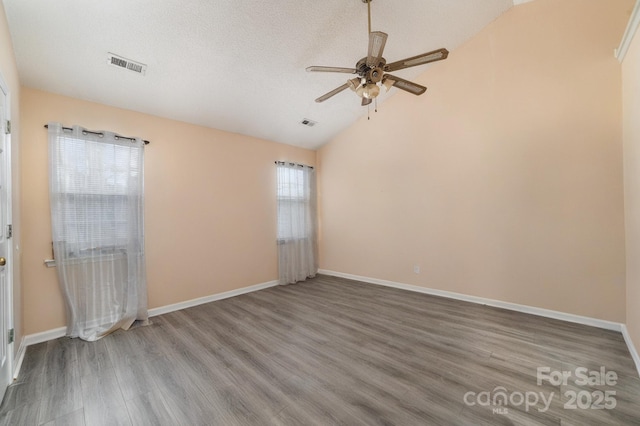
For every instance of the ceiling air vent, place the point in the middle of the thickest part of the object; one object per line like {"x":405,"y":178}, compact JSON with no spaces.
{"x":308,"y":123}
{"x":128,"y":64}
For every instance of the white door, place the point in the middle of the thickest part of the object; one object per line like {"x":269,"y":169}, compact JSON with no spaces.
{"x":5,"y":246}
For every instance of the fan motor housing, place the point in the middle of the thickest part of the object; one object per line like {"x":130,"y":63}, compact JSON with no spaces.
{"x":364,"y":69}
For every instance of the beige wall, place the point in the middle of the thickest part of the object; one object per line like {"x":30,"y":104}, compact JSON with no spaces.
{"x":210,"y":208}
{"x":9,"y":73}
{"x":631,"y":136}
{"x":504,"y":180}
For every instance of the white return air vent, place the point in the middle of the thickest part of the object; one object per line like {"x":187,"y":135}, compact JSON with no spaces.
{"x":128,"y":64}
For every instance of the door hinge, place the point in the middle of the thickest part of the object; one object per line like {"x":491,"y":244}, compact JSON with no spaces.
{"x":9,"y":231}
{"x":8,"y":129}
{"x":12,"y":335}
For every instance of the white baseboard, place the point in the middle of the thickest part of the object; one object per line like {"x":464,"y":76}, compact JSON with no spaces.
{"x":18,"y":359}
{"x":55,"y":333}
{"x":563,"y":316}
{"x":33,"y":339}
{"x":44,"y":336}
{"x":202,"y":300}
{"x":594,"y":322}
{"x":632,"y":348}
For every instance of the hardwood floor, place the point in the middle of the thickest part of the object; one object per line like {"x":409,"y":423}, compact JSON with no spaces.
{"x":327,"y":351}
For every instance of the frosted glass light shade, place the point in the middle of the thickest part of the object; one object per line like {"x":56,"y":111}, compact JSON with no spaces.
{"x":371,"y":91}
{"x":387,"y":83}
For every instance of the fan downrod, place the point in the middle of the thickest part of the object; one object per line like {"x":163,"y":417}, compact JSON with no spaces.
{"x":368,"y":2}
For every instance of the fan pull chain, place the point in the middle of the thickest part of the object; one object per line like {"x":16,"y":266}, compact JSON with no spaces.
{"x":368,"y":111}
{"x":376,"y":101}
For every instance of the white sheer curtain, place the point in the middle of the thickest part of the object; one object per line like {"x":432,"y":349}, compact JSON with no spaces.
{"x":97,"y":197}
{"x":297,"y":218}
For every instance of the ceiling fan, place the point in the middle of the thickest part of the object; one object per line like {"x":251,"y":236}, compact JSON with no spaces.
{"x":373,"y":70}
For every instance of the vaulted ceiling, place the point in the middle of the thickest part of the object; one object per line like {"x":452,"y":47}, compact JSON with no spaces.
{"x":236,"y":65}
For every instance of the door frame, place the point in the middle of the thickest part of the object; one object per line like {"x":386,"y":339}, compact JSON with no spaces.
{"x":4,"y":87}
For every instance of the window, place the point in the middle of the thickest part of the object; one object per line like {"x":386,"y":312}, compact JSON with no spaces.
{"x":97,"y":208}
{"x":293,"y":201}
{"x":95,"y":195}
{"x":297,"y":251}
{"x":294,"y":191}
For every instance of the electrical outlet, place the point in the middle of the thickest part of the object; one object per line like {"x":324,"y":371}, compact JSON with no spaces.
{"x":416,"y":269}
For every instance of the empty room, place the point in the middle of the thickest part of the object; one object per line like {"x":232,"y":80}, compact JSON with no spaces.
{"x":355,"y":212}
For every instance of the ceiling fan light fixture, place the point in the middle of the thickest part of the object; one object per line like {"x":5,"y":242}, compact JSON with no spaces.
{"x":354,"y":83}
{"x":373,"y":68}
{"x":387,"y":83}
{"x":371,"y":91}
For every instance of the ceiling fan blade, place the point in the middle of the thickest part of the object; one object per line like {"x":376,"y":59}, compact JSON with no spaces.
{"x":406,"y":85}
{"x":366,"y":101}
{"x":332,"y":69}
{"x":425,"y":58}
{"x":377,"y":40}
{"x":332,"y":93}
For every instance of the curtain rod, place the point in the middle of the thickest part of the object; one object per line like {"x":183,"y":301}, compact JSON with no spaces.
{"x":293,"y":164}
{"x":146,"y":142}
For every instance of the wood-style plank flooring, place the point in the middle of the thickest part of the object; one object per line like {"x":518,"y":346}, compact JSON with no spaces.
{"x":323,"y":352}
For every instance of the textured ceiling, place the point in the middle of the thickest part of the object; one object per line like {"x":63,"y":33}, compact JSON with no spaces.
{"x":233,"y":65}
